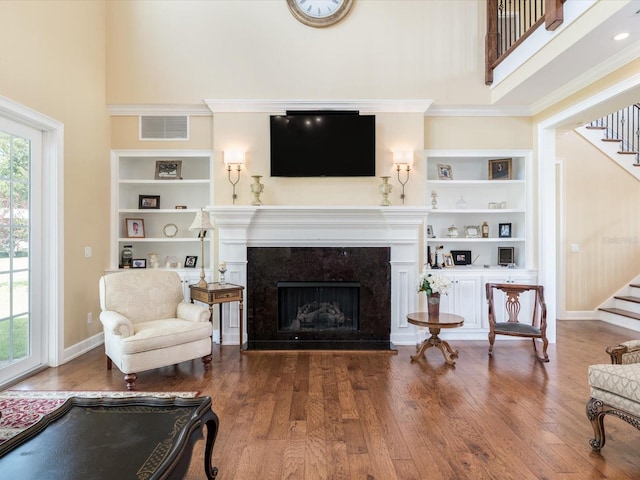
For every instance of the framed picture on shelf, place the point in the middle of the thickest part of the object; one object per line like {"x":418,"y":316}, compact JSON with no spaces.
{"x":506,"y":256}
{"x":504,"y":230}
{"x":148,"y":202}
{"x":472,"y":231}
{"x":461,"y":257}
{"x":447,"y":259}
{"x":190,"y":261}
{"x":139,"y":263}
{"x":444,"y":172}
{"x":135,"y":227}
{"x":168,"y":169}
{"x":500,"y":169}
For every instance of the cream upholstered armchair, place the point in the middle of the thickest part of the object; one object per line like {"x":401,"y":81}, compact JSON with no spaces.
{"x":615,"y":390}
{"x":147,"y":323}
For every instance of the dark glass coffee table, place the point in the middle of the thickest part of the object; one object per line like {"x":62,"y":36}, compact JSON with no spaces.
{"x":108,"y":438}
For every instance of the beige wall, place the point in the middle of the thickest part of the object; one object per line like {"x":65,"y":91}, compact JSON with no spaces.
{"x":53,"y":61}
{"x":184,"y":52}
{"x":488,"y":133}
{"x":602,"y":215}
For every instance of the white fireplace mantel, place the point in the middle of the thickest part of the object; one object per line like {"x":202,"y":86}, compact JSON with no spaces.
{"x":400,"y":228}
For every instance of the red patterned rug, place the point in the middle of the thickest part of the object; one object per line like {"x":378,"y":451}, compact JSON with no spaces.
{"x":21,"y":409}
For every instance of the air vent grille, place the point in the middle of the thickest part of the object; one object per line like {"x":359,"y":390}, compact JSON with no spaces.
{"x":156,"y":127}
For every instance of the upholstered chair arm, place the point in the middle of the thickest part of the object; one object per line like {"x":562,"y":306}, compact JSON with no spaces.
{"x":193,"y":312}
{"x":117,"y":324}
{"x":625,"y":353}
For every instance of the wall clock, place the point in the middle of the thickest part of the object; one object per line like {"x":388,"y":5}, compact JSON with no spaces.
{"x":319,"y":13}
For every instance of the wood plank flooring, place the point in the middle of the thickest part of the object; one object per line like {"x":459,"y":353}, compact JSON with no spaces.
{"x":378,"y":416}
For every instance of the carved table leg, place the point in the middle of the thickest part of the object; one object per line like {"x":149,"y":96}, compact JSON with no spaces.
{"x":436,"y":341}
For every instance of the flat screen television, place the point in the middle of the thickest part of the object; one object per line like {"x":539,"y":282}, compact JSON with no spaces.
{"x":323,"y":144}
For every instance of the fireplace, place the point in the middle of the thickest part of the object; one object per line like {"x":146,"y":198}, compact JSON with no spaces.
{"x":397,"y":229}
{"x":315,"y":306}
{"x":318,"y":298}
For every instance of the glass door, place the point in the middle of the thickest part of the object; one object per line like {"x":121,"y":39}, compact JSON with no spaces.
{"x":21,"y":345}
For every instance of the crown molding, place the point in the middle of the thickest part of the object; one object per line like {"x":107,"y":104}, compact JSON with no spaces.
{"x":280,"y":106}
{"x":137,"y":110}
{"x":478,"y":111}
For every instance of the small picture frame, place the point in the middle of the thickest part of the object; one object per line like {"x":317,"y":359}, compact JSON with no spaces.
{"x":146,"y":202}
{"x":168,"y":169}
{"x":506,"y":256}
{"x":445,"y":172}
{"x":190,"y":261}
{"x":430,"y":232}
{"x":139,"y":263}
{"x":135,"y":227}
{"x":447,"y":260}
{"x":500,"y":169}
{"x":504,"y":230}
{"x":461,"y":257}
{"x":472,"y":231}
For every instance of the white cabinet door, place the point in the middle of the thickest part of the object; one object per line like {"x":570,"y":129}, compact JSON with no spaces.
{"x":464,"y":299}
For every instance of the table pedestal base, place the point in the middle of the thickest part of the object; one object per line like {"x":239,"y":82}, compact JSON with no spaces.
{"x":436,"y":341}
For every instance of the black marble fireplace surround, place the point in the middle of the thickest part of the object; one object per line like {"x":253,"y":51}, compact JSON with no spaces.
{"x":367,"y":267}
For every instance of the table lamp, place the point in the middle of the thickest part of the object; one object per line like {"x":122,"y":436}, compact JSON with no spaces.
{"x":202,"y":223}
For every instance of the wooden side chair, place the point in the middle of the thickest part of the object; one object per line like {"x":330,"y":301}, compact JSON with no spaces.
{"x":507,"y":321}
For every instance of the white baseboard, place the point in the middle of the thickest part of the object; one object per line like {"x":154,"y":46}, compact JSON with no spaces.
{"x":82,"y":347}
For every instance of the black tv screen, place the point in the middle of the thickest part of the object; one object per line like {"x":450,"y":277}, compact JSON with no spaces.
{"x":323,"y":145}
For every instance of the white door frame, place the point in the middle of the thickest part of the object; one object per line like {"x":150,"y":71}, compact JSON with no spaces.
{"x":52,"y":195}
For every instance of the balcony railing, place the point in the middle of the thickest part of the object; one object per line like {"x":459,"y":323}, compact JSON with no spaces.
{"x":509,"y":22}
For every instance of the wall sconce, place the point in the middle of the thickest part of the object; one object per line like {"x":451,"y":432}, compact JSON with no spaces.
{"x":236,"y":158}
{"x":403,"y":161}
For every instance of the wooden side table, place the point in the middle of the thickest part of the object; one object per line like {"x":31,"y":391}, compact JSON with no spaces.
{"x":435,"y":324}
{"x":219,"y":293}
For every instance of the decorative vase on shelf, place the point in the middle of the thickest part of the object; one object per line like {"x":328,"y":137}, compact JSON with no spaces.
{"x":256,"y":189}
{"x":154,"y":260}
{"x":433,"y":304}
{"x":385,"y":190}
{"x":462,"y":203}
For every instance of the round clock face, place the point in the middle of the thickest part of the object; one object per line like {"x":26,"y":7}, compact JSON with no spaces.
{"x":319,"y":13}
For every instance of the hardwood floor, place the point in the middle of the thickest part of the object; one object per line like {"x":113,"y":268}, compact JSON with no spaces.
{"x":378,"y":416}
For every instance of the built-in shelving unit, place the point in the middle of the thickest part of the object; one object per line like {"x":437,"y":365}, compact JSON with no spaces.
{"x":468,"y":198}
{"x":166,"y":229}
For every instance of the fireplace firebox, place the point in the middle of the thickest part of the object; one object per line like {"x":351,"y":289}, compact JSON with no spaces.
{"x":318,"y":298}
{"x":304,"y":306}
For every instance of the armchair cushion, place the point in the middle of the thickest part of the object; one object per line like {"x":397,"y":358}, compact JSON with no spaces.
{"x":621,"y":380}
{"x":164,"y":333}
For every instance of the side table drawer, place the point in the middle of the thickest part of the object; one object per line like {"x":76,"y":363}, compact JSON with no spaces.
{"x":228,"y":296}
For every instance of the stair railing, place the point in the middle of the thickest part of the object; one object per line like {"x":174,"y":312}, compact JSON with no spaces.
{"x":622,"y":126}
{"x":509,"y":22}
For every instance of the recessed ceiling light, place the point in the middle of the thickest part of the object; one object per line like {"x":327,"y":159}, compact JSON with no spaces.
{"x":621,"y":36}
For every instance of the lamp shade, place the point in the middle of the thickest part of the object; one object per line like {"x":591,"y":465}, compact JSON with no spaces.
{"x":233,"y":157}
{"x":201,"y":222}
{"x":403,"y":157}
